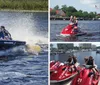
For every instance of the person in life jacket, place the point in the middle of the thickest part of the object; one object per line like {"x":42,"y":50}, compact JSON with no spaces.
{"x":4,"y":34}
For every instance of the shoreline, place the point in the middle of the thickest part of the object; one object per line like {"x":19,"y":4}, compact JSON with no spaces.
{"x":12,"y":10}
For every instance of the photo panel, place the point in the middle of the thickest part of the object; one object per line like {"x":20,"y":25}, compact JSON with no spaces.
{"x":74,"y":21}
{"x":24,"y":42}
{"x":74,"y":63}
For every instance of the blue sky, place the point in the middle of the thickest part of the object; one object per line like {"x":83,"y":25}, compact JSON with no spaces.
{"x":85,"y":5}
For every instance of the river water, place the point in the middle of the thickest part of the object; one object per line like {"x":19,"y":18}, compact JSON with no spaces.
{"x":92,"y":28}
{"x":17,"y":66}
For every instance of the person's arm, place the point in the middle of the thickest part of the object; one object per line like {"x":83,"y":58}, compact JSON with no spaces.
{"x":72,"y":61}
{"x":93,"y":63}
{"x":8,"y":32}
{"x":9,"y":35}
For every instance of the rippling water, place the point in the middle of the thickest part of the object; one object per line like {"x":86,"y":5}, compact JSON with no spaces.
{"x":23,"y":69}
{"x":18,"y":67}
{"x":92,"y":28}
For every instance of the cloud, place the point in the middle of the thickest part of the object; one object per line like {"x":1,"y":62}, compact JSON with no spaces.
{"x":88,"y":1}
{"x":91,"y":3}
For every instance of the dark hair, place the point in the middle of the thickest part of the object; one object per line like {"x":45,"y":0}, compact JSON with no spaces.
{"x":69,"y":59}
{"x":2,"y":27}
{"x":91,"y":58}
{"x":74,"y":59}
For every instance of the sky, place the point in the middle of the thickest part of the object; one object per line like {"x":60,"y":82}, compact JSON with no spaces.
{"x":85,"y":5}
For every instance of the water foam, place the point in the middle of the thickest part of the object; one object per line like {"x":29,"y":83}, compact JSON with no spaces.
{"x":23,"y":27}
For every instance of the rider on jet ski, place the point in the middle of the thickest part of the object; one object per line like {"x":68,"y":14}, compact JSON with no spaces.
{"x":72,"y":61}
{"x":75,"y":23}
{"x":90,"y":62}
{"x":4,"y":34}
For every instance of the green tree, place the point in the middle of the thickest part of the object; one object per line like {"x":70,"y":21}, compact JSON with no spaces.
{"x":56,"y":7}
{"x":85,"y":14}
{"x":64,"y":8}
{"x":71,"y":9}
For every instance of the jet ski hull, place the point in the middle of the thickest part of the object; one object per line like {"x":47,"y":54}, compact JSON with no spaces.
{"x":86,"y":78}
{"x":68,"y":31}
{"x":60,"y":73}
{"x":6,"y":44}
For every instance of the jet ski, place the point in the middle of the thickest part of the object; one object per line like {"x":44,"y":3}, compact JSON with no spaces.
{"x":6,"y":41}
{"x":6,"y":44}
{"x":68,"y":31}
{"x":86,"y":77}
{"x":54,"y":65}
{"x":62,"y":73}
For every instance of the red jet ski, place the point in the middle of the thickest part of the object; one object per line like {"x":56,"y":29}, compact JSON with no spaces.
{"x":86,"y":77}
{"x":68,"y":31}
{"x":62,"y":73}
{"x":54,"y":65}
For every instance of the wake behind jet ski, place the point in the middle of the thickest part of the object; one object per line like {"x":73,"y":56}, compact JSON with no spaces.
{"x":6,"y":41}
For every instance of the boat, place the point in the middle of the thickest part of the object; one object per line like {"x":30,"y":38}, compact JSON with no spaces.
{"x":68,"y":31}
{"x":86,"y":77}
{"x":6,"y":44}
{"x":62,"y":73}
{"x":98,"y":51}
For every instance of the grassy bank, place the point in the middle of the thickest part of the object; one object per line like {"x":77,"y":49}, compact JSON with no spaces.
{"x":41,"y":5}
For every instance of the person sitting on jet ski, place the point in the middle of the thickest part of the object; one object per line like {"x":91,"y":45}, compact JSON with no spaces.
{"x":91,"y":62}
{"x":75,"y":25}
{"x":72,"y":61}
{"x":86,"y":60}
{"x":1,"y":34}
{"x":6,"y":34}
{"x":75,"y":61}
{"x":74,"y":22}
{"x":71,"y":19}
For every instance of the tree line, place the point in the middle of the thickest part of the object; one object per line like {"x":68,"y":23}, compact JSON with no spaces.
{"x":73,"y":11}
{"x":24,"y":4}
